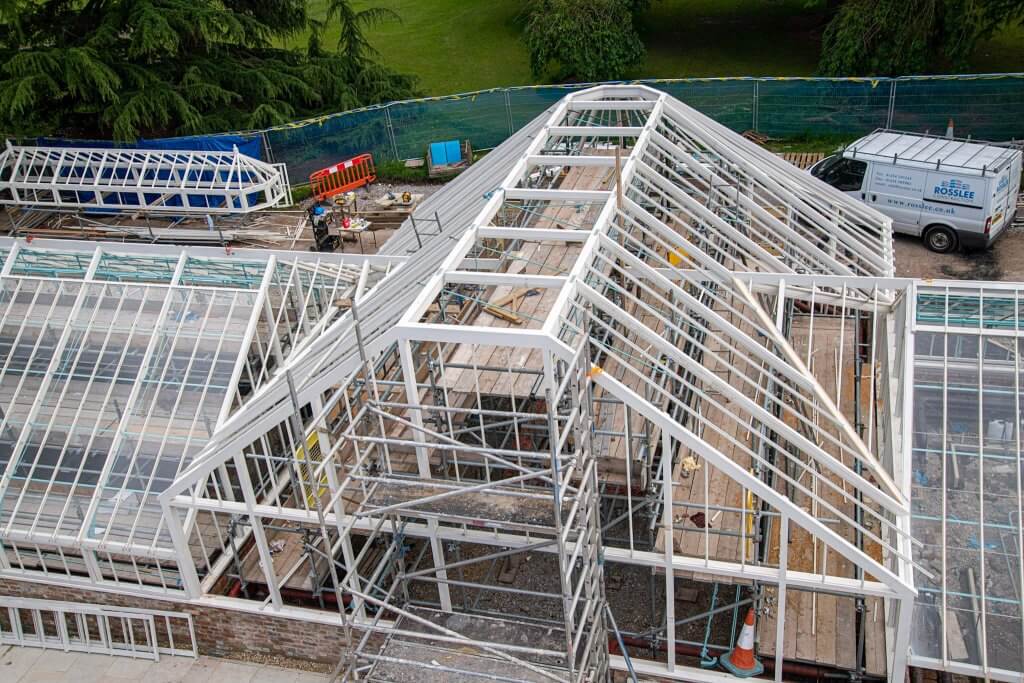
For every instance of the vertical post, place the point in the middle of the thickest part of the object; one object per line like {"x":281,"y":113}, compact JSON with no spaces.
{"x":258,"y":534}
{"x":780,"y":612}
{"x":508,"y":113}
{"x":892,"y":103}
{"x":347,"y":551}
{"x":901,"y":640}
{"x":753,"y":112}
{"x":670,"y":575}
{"x":269,"y":151}
{"x":618,"y":174}
{"x":415,"y":230}
{"x":299,"y":434}
{"x":186,"y":565}
{"x":391,"y":131}
{"x":564,"y":567}
{"x":423,"y":466}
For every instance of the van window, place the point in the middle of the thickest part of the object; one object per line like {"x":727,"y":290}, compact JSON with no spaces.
{"x":843,"y":174}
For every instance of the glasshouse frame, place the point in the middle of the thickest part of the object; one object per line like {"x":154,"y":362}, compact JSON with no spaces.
{"x":631,"y":340}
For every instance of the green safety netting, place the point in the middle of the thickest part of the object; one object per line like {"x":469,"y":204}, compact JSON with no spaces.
{"x":786,"y":108}
{"x":983,"y":106}
{"x":728,"y":101}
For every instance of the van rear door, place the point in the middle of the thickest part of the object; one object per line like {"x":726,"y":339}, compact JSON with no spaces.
{"x":897,"y":192}
{"x":1006,"y":187}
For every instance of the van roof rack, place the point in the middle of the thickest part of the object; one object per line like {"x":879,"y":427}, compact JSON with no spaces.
{"x":934,"y":152}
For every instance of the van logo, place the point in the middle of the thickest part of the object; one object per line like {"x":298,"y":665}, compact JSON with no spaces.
{"x":954,"y":189}
{"x":1003,"y":182}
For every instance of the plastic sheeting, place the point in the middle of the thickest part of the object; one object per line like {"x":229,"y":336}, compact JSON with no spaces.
{"x":249,"y":145}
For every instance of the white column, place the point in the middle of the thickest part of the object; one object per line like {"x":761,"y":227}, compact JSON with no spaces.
{"x":423,"y":465}
{"x":258,"y":534}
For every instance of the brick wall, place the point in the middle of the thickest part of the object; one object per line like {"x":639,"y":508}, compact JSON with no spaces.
{"x":219,"y":632}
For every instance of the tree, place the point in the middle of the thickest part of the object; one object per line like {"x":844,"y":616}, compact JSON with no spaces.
{"x":131,"y":68}
{"x":583,"y":40}
{"x":895,"y":37}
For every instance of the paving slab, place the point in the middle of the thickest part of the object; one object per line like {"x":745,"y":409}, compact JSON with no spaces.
{"x":34,"y":665}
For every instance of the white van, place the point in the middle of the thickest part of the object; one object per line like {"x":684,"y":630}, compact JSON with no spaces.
{"x":951,"y":192}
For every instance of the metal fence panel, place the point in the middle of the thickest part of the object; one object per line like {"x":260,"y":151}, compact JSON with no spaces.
{"x":309,"y":146}
{"x":787,"y":108}
{"x":728,"y":101}
{"x":480,"y":117}
{"x":526,"y":104}
{"x":982,"y":107}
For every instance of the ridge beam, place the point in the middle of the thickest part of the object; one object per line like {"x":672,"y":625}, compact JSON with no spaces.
{"x":472,"y":277}
{"x":612,"y":105}
{"x":595,"y":131}
{"x":533,"y":234}
{"x":533,"y":194}
{"x":569,"y":160}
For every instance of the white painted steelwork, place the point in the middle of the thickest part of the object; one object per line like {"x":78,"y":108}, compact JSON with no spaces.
{"x":139,"y":180}
{"x":684,"y":266}
{"x":97,"y":629}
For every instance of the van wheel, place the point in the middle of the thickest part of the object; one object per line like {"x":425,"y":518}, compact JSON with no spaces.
{"x":940,"y":239}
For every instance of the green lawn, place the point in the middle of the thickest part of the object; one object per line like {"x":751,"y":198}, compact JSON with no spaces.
{"x":460,"y":45}
{"x":451,"y":45}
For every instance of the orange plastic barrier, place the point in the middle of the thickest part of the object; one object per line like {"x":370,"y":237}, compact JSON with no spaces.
{"x":343,"y":177}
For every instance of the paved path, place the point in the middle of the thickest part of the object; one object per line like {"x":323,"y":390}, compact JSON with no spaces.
{"x":34,"y":665}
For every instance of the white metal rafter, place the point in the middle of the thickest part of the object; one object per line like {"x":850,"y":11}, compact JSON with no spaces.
{"x":728,"y":211}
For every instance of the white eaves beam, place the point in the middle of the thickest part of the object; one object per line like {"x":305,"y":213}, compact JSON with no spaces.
{"x":494,"y":537}
{"x":477,"y":334}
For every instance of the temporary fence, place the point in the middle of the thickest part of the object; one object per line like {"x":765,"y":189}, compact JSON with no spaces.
{"x":986,"y":106}
{"x":989,"y":106}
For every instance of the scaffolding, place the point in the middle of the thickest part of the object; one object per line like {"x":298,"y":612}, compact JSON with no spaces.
{"x":621,"y":304}
{"x":627,"y":376}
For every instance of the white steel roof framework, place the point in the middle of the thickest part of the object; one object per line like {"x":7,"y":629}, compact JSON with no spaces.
{"x":119,"y":362}
{"x":121,"y":367}
{"x":139,"y":180}
{"x":695,"y":215}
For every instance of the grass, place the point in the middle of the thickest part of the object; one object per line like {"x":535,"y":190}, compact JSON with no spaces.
{"x":810,"y":143}
{"x":461,"y":45}
{"x":729,"y":38}
{"x":451,"y":45}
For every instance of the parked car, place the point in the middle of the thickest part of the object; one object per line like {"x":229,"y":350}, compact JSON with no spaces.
{"x":951,"y":192}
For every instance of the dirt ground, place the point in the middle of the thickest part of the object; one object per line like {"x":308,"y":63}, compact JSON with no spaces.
{"x":1003,"y":261}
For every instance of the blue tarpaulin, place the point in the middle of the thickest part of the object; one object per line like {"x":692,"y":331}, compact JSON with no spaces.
{"x":248,"y":145}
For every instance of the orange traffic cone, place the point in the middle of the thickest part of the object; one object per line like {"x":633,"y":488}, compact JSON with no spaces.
{"x":740,"y":661}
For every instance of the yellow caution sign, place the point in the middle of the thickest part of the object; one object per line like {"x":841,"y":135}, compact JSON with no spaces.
{"x":677,"y":256}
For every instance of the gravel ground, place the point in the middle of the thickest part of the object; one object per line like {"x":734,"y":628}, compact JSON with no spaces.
{"x":1004,"y":261}
{"x":377,"y":190}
